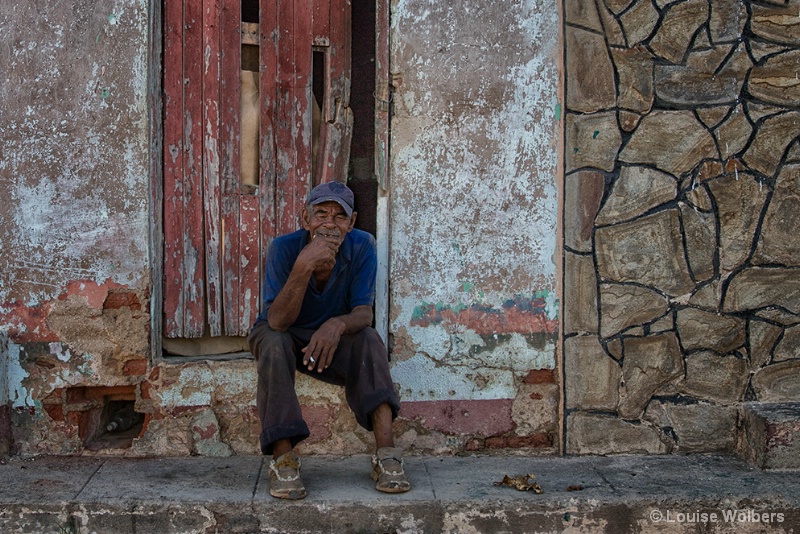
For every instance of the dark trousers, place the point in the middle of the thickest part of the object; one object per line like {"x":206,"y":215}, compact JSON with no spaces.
{"x":360,"y":364}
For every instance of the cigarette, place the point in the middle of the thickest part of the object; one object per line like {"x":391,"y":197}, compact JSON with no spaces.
{"x":312,"y":360}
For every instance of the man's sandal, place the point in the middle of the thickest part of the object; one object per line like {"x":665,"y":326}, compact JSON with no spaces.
{"x":284,"y":477}
{"x":387,"y":471}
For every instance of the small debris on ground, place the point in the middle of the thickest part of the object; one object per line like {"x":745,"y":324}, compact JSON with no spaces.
{"x":521,"y":483}
{"x":575,"y":487}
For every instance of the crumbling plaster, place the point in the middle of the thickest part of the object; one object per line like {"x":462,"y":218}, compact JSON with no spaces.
{"x":474,"y":175}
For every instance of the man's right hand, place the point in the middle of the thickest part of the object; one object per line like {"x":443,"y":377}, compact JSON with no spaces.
{"x":320,"y":253}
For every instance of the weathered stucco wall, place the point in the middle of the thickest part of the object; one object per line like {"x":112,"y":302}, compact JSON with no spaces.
{"x":74,"y":178}
{"x":474,"y":202}
{"x":473,"y":239}
{"x":682,"y":263}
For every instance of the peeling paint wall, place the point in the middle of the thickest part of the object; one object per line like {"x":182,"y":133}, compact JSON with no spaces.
{"x":474,"y":202}
{"x":474,"y":168}
{"x":74,"y":193}
{"x":74,"y":142}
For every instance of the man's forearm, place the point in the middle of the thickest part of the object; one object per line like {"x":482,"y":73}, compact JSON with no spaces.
{"x":287,"y":304}
{"x":356,"y":320}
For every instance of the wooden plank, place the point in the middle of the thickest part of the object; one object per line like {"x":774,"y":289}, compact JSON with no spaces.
{"x":211,"y":164}
{"x":230,"y":99}
{"x":304,"y":74}
{"x":286,"y":128}
{"x":250,"y":258}
{"x":268,"y":91}
{"x":322,"y":22}
{"x":173,"y":170}
{"x":382,"y":108}
{"x":193,"y":251}
{"x":336,"y":128}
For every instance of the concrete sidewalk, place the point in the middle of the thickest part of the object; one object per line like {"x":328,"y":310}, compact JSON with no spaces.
{"x":450,"y":494}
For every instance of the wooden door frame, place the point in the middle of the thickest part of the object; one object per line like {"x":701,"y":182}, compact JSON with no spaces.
{"x":382,"y":117}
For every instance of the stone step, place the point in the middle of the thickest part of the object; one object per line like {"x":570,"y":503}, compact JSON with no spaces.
{"x":449,"y":495}
{"x":770,"y":436}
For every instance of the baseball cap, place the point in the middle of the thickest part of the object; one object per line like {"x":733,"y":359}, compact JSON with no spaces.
{"x":332,"y":191}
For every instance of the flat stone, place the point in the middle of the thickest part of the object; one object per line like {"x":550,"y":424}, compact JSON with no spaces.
{"x":761,"y":287}
{"x":592,"y":141}
{"x":597,"y":434}
{"x":700,"y":230}
{"x":789,"y":347}
{"x":740,"y":200}
{"x":771,"y":141}
{"x":775,"y":81}
{"x":703,"y":427}
{"x":726,"y":21}
{"x":628,"y":120}
{"x":733,"y":134}
{"x":583,"y":192}
{"x":580,"y":290}
{"x":778,"y":242}
{"x":700,"y":329}
{"x":635,"y":191}
{"x":648,"y":251}
{"x":712,"y":116}
{"x":592,"y":377}
{"x":650,"y":363}
{"x":617,"y":6}
{"x":591,"y":86}
{"x":623,"y":306}
{"x":771,"y":435}
{"x":777,"y":23}
{"x":707,"y":296}
{"x":583,"y":14}
{"x":698,"y":197}
{"x":701,"y":81}
{"x":613,"y":31}
{"x":678,"y":26}
{"x":639,"y":21}
{"x":762,"y":337}
{"x":757,"y":111}
{"x":778,"y":315}
{"x":711,"y":377}
{"x":654,"y":142}
{"x":635,"y":71}
{"x":664,"y":324}
{"x":778,"y":382}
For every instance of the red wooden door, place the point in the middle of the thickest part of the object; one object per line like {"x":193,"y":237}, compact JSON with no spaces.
{"x":217,"y":228}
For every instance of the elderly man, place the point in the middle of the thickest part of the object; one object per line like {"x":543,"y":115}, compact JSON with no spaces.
{"x":316,"y":317}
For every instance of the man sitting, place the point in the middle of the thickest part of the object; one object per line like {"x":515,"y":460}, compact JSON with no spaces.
{"x":316,"y":317}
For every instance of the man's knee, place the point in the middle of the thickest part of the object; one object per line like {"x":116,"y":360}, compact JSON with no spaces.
{"x":267,"y":343}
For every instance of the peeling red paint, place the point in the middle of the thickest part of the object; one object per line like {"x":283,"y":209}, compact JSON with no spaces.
{"x":518,"y":315}
{"x":26,"y":324}
{"x":540,"y":376}
{"x":483,"y":417}
{"x":135,"y":368}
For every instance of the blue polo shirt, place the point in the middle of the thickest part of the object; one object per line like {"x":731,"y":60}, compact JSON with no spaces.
{"x":352,"y":282}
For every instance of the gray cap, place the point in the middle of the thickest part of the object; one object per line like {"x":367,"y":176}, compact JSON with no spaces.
{"x":332,"y":192}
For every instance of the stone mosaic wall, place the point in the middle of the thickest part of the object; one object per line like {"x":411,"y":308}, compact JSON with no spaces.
{"x":682,"y":188}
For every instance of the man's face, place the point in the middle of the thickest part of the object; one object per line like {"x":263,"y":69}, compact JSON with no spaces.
{"x":329,"y":221}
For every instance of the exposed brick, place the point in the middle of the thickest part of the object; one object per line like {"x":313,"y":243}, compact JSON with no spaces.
{"x":540,"y":439}
{"x":122,"y":299}
{"x":55,"y":411}
{"x":540,"y":376}
{"x":474,"y":444}
{"x":144,"y":390}
{"x":117,"y":392}
{"x":76,"y":395}
{"x":135,"y":367}
{"x":154,"y":374}
{"x":496,"y":443}
{"x":536,"y":396}
{"x":55,"y":397}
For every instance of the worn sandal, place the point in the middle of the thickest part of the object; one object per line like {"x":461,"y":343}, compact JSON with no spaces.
{"x":284,"y":477}
{"x":387,"y":471}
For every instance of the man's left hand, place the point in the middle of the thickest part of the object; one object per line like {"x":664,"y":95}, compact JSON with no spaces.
{"x":322,"y":345}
